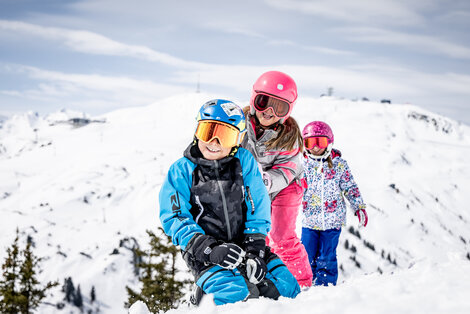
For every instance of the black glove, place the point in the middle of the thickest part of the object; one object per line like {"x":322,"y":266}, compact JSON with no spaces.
{"x":255,"y":268}
{"x":255,"y":246}
{"x":200,"y":246}
{"x":255,"y":243}
{"x":206,"y":249}
{"x":227,"y":255}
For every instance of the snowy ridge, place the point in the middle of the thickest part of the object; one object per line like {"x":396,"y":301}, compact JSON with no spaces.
{"x":79,"y":191}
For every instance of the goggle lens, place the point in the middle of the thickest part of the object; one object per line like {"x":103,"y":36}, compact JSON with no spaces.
{"x":280,"y":107}
{"x":320,"y":141}
{"x":226,"y":134}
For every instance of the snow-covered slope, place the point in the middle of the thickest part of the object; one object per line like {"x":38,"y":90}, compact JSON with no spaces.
{"x":2,"y":120}
{"x":80,"y":191}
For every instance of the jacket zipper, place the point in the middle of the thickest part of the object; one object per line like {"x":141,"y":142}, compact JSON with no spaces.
{"x":201,"y":208}
{"x":322,"y":191}
{"x":250,"y":199}
{"x":224,"y":201}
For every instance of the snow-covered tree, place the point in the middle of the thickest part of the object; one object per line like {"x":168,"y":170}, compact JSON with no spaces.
{"x":20,"y":290}
{"x":160,"y":288}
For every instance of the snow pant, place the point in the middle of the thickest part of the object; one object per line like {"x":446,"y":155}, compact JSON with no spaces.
{"x":283,"y":239}
{"x":321,"y":249}
{"x":230,"y":286}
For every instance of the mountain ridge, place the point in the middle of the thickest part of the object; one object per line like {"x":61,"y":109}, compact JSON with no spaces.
{"x":78,"y":191}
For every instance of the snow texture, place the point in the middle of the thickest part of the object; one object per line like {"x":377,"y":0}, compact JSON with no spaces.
{"x":85,"y":194}
{"x":139,"y":307}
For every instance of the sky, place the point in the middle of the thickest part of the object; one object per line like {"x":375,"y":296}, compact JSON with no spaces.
{"x":100,"y":55}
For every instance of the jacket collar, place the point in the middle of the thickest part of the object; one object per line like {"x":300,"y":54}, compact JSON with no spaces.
{"x":334,"y":153}
{"x":269,"y":132}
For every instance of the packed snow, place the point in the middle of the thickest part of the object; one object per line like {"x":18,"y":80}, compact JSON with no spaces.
{"x":81,"y":190}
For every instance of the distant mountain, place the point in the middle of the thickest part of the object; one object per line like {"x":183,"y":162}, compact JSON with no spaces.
{"x":2,"y":120}
{"x":81,"y":193}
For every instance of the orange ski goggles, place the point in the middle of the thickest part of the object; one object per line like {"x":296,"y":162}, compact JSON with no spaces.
{"x":320,"y":141}
{"x":227,"y":134}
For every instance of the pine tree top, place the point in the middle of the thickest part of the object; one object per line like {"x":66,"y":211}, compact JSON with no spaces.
{"x":20,"y":289}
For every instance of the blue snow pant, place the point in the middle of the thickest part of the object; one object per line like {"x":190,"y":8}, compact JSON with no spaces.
{"x":321,"y":250}
{"x":230,"y":286}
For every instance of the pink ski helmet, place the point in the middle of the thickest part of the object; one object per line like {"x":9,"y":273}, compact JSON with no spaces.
{"x":319,"y":128}
{"x":278,"y":85}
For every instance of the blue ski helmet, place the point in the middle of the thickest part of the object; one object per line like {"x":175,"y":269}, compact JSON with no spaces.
{"x":225,"y":111}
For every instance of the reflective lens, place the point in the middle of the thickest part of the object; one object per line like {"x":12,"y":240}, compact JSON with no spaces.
{"x":280,"y":107}
{"x":320,"y":141}
{"x":227,"y":135}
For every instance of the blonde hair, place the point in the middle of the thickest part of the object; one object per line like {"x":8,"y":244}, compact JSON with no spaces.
{"x":330,"y":161}
{"x":289,"y":134}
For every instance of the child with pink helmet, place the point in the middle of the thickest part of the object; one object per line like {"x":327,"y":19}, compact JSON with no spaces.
{"x":274,"y":138}
{"x":327,"y":178}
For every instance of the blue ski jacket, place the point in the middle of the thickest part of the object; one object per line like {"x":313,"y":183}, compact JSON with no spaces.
{"x":223,"y":198}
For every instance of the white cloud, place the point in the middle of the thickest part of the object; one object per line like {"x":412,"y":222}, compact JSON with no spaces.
{"x":374,"y":81}
{"x":119,"y":90}
{"x":422,"y":43}
{"x":92,"y":43}
{"x":381,"y":12}
{"x":369,"y":80}
{"x":231,"y":28}
{"x":323,"y":50}
{"x":455,"y":17}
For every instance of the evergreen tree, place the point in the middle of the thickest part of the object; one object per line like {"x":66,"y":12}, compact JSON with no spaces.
{"x":20,"y":290}
{"x":92,"y":294}
{"x":160,"y":288}
{"x":69,"y":289}
{"x":9,"y":290}
{"x":78,"y":300}
{"x":30,"y":285}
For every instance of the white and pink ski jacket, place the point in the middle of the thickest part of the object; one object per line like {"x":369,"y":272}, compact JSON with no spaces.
{"x":283,"y":166}
{"x":324,"y":206}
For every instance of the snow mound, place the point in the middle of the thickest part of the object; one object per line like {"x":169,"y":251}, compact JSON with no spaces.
{"x":82,"y":193}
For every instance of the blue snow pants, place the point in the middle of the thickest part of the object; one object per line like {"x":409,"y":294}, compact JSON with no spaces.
{"x":321,"y":250}
{"x":230,"y":286}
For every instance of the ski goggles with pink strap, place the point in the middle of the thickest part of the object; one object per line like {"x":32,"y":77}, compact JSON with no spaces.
{"x":280,"y":106}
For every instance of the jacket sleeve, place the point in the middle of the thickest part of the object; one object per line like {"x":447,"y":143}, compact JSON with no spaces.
{"x":256,"y":196}
{"x":286,"y":167}
{"x":350,"y":188}
{"x":174,"y":197}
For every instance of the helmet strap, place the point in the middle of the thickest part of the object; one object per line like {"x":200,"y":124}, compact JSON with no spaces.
{"x":252,"y":110}
{"x":233,"y":151}
{"x":322,"y":156}
{"x":275,"y":126}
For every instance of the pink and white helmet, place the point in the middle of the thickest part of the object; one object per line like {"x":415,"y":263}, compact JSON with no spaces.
{"x":276,"y":84}
{"x":319,"y":128}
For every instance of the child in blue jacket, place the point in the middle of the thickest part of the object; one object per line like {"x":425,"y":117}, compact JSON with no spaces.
{"x":327,"y":180}
{"x":215,"y":206}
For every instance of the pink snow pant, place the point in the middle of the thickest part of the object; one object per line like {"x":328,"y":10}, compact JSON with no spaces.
{"x":283,"y":239}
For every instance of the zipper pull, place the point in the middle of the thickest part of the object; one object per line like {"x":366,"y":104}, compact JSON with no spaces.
{"x":251,"y":200}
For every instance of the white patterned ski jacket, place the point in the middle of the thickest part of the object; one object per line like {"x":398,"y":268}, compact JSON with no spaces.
{"x":323,"y":204}
{"x":283,"y":166}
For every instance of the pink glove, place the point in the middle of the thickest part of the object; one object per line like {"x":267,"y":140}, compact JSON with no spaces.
{"x":362,"y":216}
